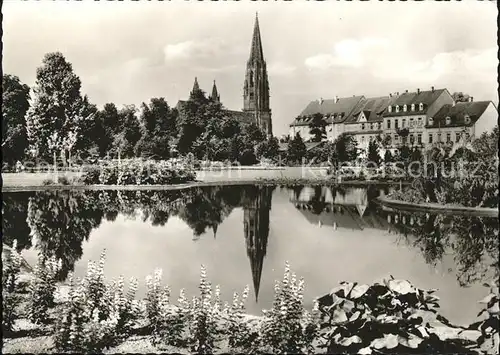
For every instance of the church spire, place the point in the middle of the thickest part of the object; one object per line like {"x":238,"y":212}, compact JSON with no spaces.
{"x":196,"y":87}
{"x":256,"y":52}
{"x":215,"y":94}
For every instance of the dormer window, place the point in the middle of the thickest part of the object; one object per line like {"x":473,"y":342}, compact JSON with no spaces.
{"x":420,"y":106}
{"x":389,"y":108}
{"x":397,"y":108}
{"x":448,"y":120}
{"x":431,"y":121}
{"x":413,"y":107}
{"x":467,"y":119}
{"x":405,"y":108}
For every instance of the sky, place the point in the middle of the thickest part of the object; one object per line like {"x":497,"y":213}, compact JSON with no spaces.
{"x":129,"y":52}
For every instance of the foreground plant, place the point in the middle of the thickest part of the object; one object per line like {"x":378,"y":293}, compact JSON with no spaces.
{"x":283,"y":331}
{"x":11,"y":267}
{"x":385,"y":318}
{"x":42,"y":290}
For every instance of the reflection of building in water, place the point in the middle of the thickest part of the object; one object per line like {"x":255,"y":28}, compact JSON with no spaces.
{"x":256,"y":207}
{"x":322,"y":205}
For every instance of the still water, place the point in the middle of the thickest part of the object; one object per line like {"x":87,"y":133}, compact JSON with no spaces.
{"x":244,"y":234}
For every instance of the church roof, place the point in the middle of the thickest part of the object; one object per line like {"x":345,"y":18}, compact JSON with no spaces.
{"x":256,"y":52}
{"x":458,"y":113}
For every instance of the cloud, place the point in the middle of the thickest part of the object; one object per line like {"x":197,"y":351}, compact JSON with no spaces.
{"x":195,"y":50}
{"x":346,"y":53}
{"x":280,"y":68}
{"x":475,"y":63}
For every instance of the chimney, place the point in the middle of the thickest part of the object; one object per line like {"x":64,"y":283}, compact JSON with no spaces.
{"x":418,"y":91}
{"x":336,"y":99}
{"x":406,"y":91}
{"x":321,"y":101}
{"x":432,"y":88}
{"x":390,"y":95}
{"x":471,"y":99}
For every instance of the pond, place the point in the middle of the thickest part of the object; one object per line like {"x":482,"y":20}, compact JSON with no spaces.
{"x":244,"y":234}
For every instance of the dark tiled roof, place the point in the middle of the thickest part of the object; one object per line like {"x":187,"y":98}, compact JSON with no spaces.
{"x":408,"y":98}
{"x":331,"y":110}
{"x":458,"y":113}
{"x":372,"y":109}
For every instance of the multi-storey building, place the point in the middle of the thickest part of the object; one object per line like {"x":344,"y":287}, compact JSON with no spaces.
{"x":335,"y":112}
{"x":366,"y":122}
{"x":407,"y":115}
{"x":413,"y":119}
{"x":460,"y":122}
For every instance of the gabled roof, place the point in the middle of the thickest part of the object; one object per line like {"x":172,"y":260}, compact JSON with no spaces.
{"x":334,"y":111}
{"x":372,"y":108}
{"x":427,"y":98}
{"x":458,"y":113}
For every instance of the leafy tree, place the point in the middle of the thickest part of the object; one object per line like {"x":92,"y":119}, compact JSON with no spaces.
{"x":346,"y":148}
{"x":388,"y":158}
{"x":130,"y":132}
{"x":460,"y":97}
{"x":15,"y":104}
{"x":58,"y":114}
{"x":191,"y":120}
{"x":317,"y":127}
{"x":268,"y":149}
{"x":108,"y":122}
{"x":158,"y":128}
{"x":373,"y":152}
{"x":486,"y":146}
{"x":403,"y":133}
{"x":296,"y":149}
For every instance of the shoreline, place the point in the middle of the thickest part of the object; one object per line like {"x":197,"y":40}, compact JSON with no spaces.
{"x":185,"y":186}
{"x":435,"y":207}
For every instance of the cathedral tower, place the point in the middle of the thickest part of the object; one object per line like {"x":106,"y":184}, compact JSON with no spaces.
{"x":256,"y":87}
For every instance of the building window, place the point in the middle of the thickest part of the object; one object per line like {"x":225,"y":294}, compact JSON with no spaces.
{"x":379,"y":125}
{"x":412,"y":139}
{"x":362,"y":126}
{"x":403,"y":123}
{"x":405,"y":108}
{"x":421,"y":106}
{"x":420,"y":122}
{"x":411,"y":122}
{"x":388,"y":124}
{"x":419,"y":138}
{"x":430,"y":138}
{"x":457,"y":137}
{"x":362,"y":139}
{"x":431,"y":121}
{"x":439,"y":137}
{"x":371,"y":126}
{"x":413,"y":107}
{"x":389,"y":108}
{"x":448,"y":137}
{"x":397,"y":108}
{"x":404,"y":139}
{"x":467,"y":119}
{"x":396,"y":123}
{"x":448,"y":120}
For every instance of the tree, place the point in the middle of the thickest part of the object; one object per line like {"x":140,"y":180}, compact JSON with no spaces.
{"x":55,"y":120}
{"x":388,"y":158}
{"x":373,"y":152}
{"x":460,"y":97}
{"x":345,"y":148}
{"x":403,"y":133}
{"x":268,"y":149}
{"x":15,"y":104}
{"x":317,"y":127}
{"x":131,"y":131}
{"x":296,"y":150}
{"x":486,"y":146}
{"x":108,"y":122}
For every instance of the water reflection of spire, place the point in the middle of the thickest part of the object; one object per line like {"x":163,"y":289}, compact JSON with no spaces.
{"x":256,"y":205}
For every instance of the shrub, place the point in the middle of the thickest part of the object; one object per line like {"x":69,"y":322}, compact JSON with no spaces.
{"x":392,"y":317}
{"x":282,"y":332}
{"x":47,"y":182}
{"x":11,"y":267}
{"x":63,"y":180}
{"x":489,"y":340}
{"x":42,"y":290}
{"x":90,"y":324}
{"x":91,"y":175}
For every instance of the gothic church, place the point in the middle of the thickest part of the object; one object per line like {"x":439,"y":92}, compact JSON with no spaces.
{"x":255,"y":89}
